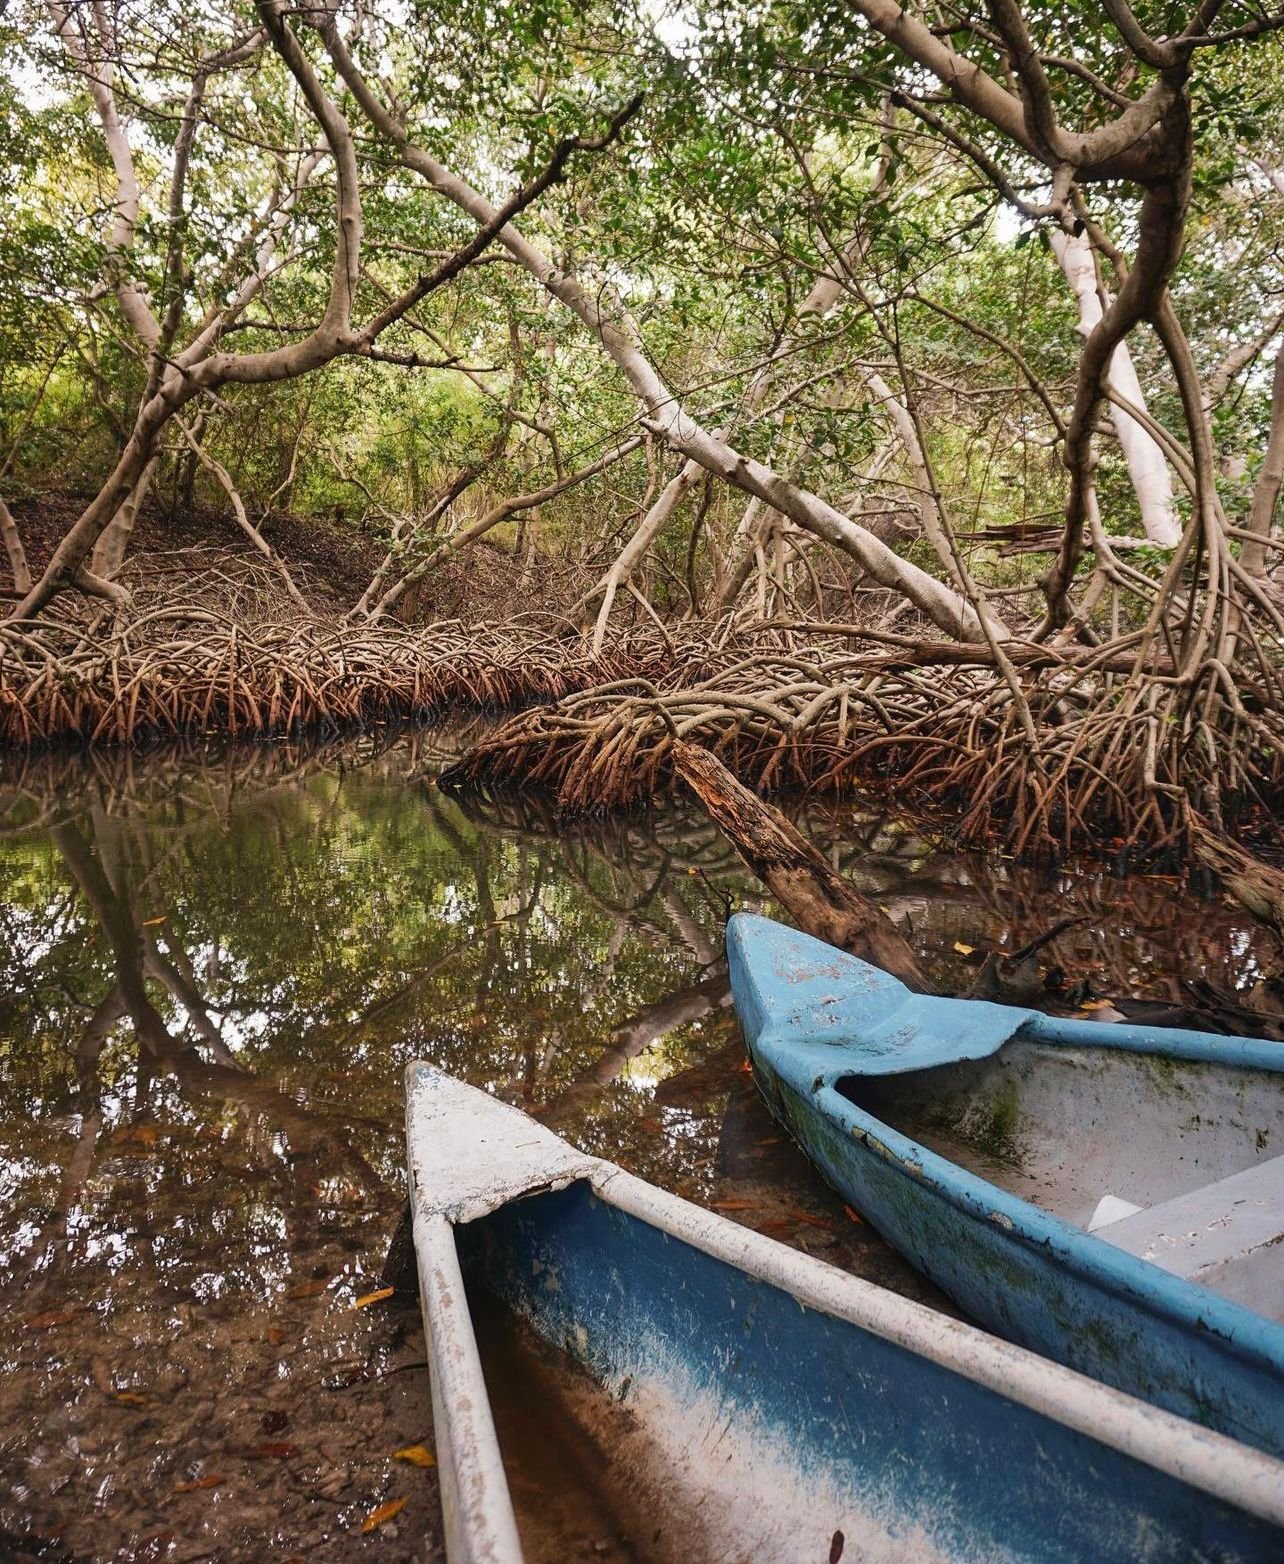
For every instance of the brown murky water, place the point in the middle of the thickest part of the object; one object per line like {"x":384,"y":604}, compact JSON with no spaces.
{"x":215,"y":970}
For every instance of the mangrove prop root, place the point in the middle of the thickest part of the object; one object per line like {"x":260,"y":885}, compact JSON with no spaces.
{"x":180,"y":674}
{"x":818,"y":899}
{"x":1120,"y":761}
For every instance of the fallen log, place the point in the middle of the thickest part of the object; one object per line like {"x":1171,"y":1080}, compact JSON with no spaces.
{"x":1256,"y":886}
{"x":819,"y":900}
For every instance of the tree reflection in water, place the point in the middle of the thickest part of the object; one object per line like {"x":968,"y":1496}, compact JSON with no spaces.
{"x":217,"y":967}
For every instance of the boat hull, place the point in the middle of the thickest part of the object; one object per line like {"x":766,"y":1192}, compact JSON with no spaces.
{"x":1031,"y":1276}
{"x":793,"y":1427}
{"x":774,"y":1407}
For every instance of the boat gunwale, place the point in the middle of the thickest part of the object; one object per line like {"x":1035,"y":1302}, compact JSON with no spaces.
{"x":478,"y":1518}
{"x":1215,"y":1464}
{"x":1161,"y":1042}
{"x":751,"y":939}
{"x":1084,"y":1253}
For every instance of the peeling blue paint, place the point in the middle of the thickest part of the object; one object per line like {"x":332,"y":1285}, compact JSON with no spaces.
{"x":907,"y":1445}
{"x":813,"y":1017}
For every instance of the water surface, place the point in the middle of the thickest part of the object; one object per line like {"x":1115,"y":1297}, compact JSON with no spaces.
{"x":216,"y":968}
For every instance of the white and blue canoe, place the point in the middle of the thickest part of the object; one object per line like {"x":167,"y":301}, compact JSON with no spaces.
{"x":1109,"y":1195}
{"x":767,"y":1406}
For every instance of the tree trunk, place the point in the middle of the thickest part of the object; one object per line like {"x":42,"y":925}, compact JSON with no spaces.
{"x":1266,"y":490}
{"x":1147,"y":468}
{"x":109,"y":551}
{"x":14,"y":549}
{"x":649,"y":529}
{"x":819,"y":900}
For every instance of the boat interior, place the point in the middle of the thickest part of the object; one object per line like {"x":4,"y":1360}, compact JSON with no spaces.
{"x":654,"y":1402}
{"x":1179,"y":1162}
{"x":620,"y":1440}
{"x":562,"y":1435}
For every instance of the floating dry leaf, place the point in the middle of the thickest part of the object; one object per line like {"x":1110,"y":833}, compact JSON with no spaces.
{"x":307,"y":1290}
{"x":137,"y":1135}
{"x":777,"y":1227}
{"x":49,"y":1319}
{"x":199,"y":1483}
{"x":383,"y":1514}
{"x":379,"y":1294}
{"x":963,"y":950}
{"x":814,"y":1221}
{"x":417,"y":1455}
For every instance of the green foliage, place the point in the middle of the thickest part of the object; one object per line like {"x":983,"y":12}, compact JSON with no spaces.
{"x":763,"y":147}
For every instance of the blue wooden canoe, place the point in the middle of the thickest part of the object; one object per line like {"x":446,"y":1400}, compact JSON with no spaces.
{"x":756,"y":1404}
{"x":1110,"y":1195}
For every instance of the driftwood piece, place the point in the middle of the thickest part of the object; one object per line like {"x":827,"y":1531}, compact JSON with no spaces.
{"x":819,"y":900}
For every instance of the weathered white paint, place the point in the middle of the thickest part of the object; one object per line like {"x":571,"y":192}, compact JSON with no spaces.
{"x":1110,"y":1208}
{"x":740,"y":1493}
{"x":1146,"y":465}
{"x":476,"y":1508}
{"x":470,"y":1154}
{"x":1228,"y":1236}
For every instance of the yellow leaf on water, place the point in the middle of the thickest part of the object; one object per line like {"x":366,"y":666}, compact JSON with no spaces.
{"x":963,"y":950}
{"x":377,"y":1296}
{"x":383,"y":1514}
{"x":417,"y":1455}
